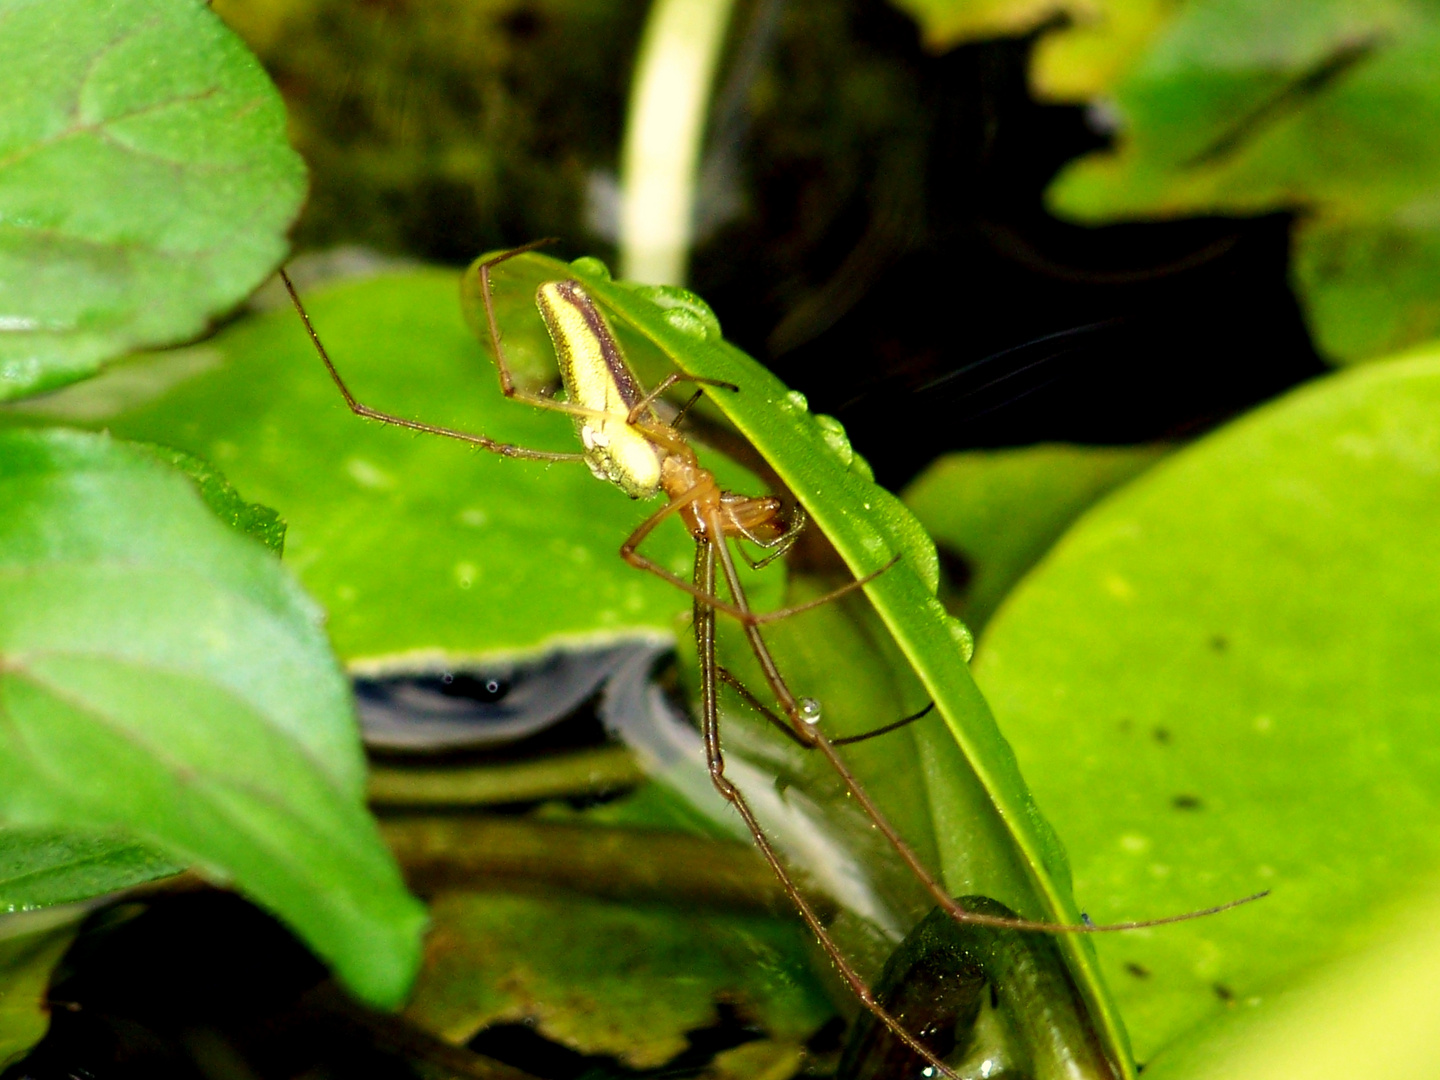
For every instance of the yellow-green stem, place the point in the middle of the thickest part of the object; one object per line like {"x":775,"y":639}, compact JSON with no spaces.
{"x":665,"y":127}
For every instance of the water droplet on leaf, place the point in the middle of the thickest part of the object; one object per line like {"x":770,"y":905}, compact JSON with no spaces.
{"x":833,"y":432}
{"x":683,"y":310}
{"x":591,"y":267}
{"x":964,"y":639}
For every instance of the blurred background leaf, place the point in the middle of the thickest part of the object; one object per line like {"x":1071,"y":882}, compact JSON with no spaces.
{"x":446,"y":128}
{"x":1243,"y":108}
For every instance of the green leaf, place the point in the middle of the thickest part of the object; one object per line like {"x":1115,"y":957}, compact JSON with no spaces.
{"x":991,"y":837}
{"x":624,"y":980}
{"x":1247,"y":106}
{"x":42,"y":867}
{"x":252,"y":519}
{"x":31,"y":944}
{"x":1223,"y":680}
{"x":425,"y":552}
{"x":1000,"y":510}
{"x":145,"y":181}
{"x":162,"y":676}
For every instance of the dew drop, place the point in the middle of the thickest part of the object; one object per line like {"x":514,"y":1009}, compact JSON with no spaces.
{"x":683,"y":310}
{"x":809,"y":711}
{"x":686,"y":323}
{"x":964,"y":639}
{"x":836,"y":441}
{"x":794,"y":401}
{"x":591,"y":267}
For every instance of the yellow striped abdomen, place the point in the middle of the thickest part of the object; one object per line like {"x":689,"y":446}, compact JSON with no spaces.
{"x":596,"y":377}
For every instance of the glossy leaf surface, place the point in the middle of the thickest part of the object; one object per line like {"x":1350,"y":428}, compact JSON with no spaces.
{"x":165,"y":677}
{"x":145,"y":181}
{"x":1223,"y":679}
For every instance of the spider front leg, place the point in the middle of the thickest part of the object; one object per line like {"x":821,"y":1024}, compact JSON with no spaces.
{"x":359,"y":408}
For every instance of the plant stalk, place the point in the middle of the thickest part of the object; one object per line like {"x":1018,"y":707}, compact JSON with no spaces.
{"x":665,"y":128}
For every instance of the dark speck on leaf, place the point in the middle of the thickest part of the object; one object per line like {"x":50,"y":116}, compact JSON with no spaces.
{"x":1187,"y":802}
{"x":1125,"y":725}
{"x":1162,"y":736}
{"x":524,"y":24}
{"x":1219,"y":643}
{"x":1138,"y":970}
{"x":1224,"y":993}
{"x":959,"y":571}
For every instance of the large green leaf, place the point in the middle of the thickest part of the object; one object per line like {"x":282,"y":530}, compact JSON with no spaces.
{"x":424,"y":551}
{"x":252,"y":519}
{"x":145,"y":181}
{"x":1223,"y":679}
{"x":163,"y":676}
{"x":990,"y":837}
